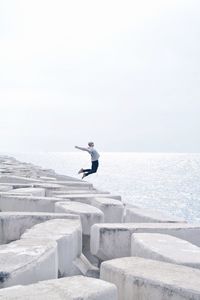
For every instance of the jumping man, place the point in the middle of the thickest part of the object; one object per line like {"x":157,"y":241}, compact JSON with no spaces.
{"x":94,"y":157}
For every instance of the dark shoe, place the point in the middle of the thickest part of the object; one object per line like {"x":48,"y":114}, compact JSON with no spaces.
{"x":80,"y":171}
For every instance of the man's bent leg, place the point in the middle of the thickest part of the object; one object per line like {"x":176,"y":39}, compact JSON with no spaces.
{"x":95,"y":165}
{"x":86,"y":170}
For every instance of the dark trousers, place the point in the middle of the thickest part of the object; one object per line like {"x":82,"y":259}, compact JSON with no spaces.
{"x":95,"y":165}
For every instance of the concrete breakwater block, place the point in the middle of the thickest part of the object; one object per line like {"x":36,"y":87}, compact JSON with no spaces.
{"x":5,"y":188}
{"x":55,"y":186}
{"x":142,"y":215}
{"x":14,"y":224}
{"x":113,"y":209}
{"x":114,"y":240}
{"x":49,"y":187}
{"x":138,"y":278}
{"x":17,"y":185}
{"x":12,"y":193}
{"x":85,"y":267}
{"x":60,"y":177}
{"x":38,"y":192}
{"x":47,"y":178}
{"x":75,"y":184}
{"x":17,"y":179}
{"x":21,"y":203}
{"x":166,"y":248}
{"x":89,"y":215}
{"x":87,"y":198}
{"x":28,"y":261}
{"x":70,"y":288}
{"x":77,"y":191}
{"x":67,"y":234}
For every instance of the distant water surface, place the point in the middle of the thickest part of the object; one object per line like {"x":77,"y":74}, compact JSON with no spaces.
{"x":168,"y":182}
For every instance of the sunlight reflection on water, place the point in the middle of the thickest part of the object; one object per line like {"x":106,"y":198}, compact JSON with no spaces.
{"x":170,"y":182}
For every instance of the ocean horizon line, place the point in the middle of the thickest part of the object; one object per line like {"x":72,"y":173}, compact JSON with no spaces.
{"x":105,"y":152}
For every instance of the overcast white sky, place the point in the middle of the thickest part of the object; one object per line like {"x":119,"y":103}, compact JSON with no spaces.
{"x":125,"y":74}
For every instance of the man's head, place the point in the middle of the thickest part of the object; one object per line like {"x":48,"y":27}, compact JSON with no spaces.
{"x":91,"y":144}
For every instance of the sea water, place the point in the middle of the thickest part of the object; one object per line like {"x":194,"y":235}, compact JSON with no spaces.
{"x":168,"y":182}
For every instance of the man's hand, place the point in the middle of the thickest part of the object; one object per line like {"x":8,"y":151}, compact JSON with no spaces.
{"x":76,"y":147}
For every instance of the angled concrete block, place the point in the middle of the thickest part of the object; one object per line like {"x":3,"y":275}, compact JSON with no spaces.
{"x":13,"y":193}
{"x":89,"y":215}
{"x":21,"y":203}
{"x":85,"y":267}
{"x":56,"y":186}
{"x":75,"y":184}
{"x":70,"y":288}
{"x":114,"y":240}
{"x":138,"y":278}
{"x":164,"y":247}
{"x":14,"y":224}
{"x":67,"y":234}
{"x":77,"y":191}
{"x":87,"y":198}
{"x":17,"y":179}
{"x":27,"y":203}
{"x":17,"y":185}
{"x":28,"y":261}
{"x":144,"y":215}
{"x":5,"y":188}
{"x":60,"y":177}
{"x":47,"y":178}
{"x":38,"y":192}
{"x":113,"y":209}
{"x":49,"y":187}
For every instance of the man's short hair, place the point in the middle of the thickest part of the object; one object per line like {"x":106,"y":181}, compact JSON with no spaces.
{"x":90,"y":144}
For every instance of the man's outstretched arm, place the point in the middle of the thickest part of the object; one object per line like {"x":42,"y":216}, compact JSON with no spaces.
{"x":82,"y":148}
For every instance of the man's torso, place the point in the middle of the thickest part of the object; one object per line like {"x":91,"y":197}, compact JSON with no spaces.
{"x":94,"y":154}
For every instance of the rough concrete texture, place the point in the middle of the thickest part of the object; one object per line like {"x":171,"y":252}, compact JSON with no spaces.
{"x":17,"y":179}
{"x":114,"y":240}
{"x":141,"y":279}
{"x":85,"y":267}
{"x":142,"y":215}
{"x":27,"y":203}
{"x":13,"y":193}
{"x":17,"y":185}
{"x":67,"y":234}
{"x":56,"y":186}
{"x":38,"y":192}
{"x":75,"y":184}
{"x":166,"y":248}
{"x":70,"y":288}
{"x":5,"y":188}
{"x":49,"y":187}
{"x":14,"y":224}
{"x":21,"y":203}
{"x":60,"y":177}
{"x":28,"y":261}
{"x":89,"y":215}
{"x":77,"y":191}
{"x":87,"y":198}
{"x":113,"y":209}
